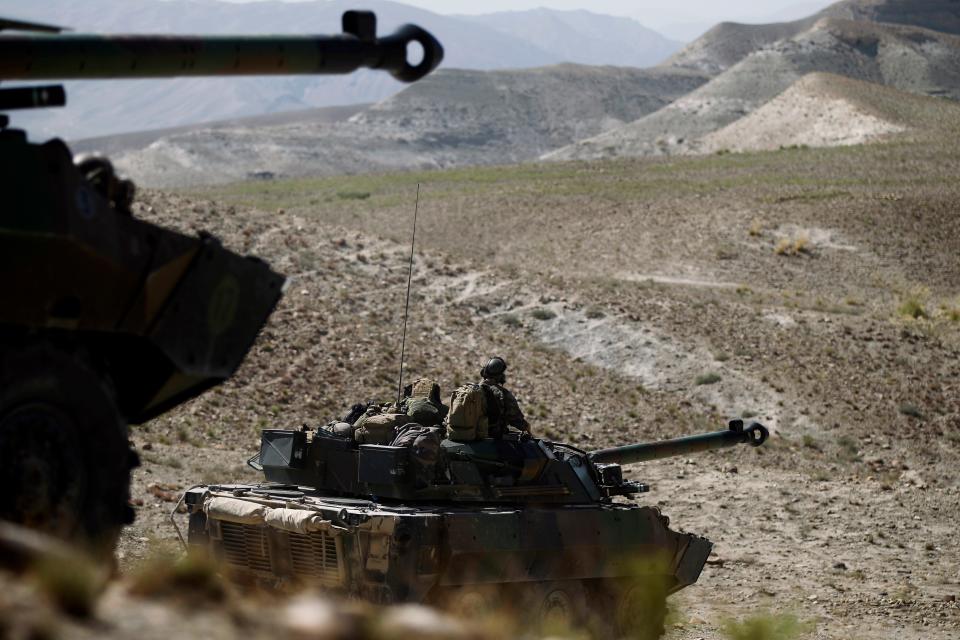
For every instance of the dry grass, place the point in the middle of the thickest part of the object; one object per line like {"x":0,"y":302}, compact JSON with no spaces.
{"x":72,"y":583}
{"x":795,"y":246}
{"x":766,"y":626}
{"x":170,"y":574}
{"x":914,"y":303}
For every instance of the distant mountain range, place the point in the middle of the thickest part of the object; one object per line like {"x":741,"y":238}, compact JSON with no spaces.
{"x":496,"y":41}
{"x":838,"y":77}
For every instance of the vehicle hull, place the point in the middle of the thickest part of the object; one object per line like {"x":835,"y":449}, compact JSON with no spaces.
{"x":391,"y":553}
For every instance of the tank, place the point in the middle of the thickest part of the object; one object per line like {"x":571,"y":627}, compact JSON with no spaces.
{"x":107,"y":320}
{"x":544,"y":528}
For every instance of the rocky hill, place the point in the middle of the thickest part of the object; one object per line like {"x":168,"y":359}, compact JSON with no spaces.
{"x":730,"y":42}
{"x":453,"y":117}
{"x":911,"y":59}
{"x":826,"y":110}
{"x":100,"y":108}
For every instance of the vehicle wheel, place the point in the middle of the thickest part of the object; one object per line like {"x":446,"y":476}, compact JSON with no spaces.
{"x":473,"y":602}
{"x":627,"y":609}
{"x":64,"y":457}
{"x":556,"y":606}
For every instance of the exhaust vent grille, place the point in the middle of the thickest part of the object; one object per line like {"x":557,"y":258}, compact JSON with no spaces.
{"x":245,"y":547}
{"x":315,"y":558}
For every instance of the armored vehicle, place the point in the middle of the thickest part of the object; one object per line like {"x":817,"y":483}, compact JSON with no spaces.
{"x":105,"y":319}
{"x":517,"y":522}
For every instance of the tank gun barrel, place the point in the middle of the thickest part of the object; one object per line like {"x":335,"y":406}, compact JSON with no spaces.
{"x":89,"y":56}
{"x":756,"y":434}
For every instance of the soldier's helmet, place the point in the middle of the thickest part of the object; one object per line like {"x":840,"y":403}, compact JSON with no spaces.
{"x":494,"y":369}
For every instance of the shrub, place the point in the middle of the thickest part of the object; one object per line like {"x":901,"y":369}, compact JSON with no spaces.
{"x":912,"y":308}
{"x":543,"y":314}
{"x":708,"y":378}
{"x":71,"y":582}
{"x":794,"y":246}
{"x":511,"y":320}
{"x":912,"y":304}
{"x":166,"y":574}
{"x":353,"y":195}
{"x":911,"y":410}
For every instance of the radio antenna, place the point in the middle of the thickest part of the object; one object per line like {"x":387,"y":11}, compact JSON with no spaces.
{"x":406,"y":306}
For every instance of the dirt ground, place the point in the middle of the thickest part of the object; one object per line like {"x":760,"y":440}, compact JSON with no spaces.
{"x":815,"y":291}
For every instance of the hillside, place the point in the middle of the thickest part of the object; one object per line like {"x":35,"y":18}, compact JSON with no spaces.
{"x":826,"y":110}
{"x":634,"y":300}
{"x":451,"y":118}
{"x":728,"y":43}
{"x":137,"y":140}
{"x":103,"y":107}
{"x":907,"y":58}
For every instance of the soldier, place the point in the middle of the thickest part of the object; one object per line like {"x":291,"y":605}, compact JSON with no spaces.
{"x":502,"y":407}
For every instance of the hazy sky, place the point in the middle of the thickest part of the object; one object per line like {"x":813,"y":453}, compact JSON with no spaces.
{"x":668,"y":16}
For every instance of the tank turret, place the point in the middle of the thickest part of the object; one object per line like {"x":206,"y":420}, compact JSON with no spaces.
{"x":514,"y":469}
{"x":105,"y":319}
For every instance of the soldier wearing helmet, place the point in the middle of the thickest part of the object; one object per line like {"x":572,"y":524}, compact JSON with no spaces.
{"x":503,"y":410}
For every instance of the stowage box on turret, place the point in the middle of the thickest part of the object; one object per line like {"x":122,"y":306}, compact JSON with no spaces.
{"x":107,"y":320}
{"x":518,"y":521}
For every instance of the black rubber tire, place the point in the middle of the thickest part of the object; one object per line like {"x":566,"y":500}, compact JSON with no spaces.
{"x":65,"y":460}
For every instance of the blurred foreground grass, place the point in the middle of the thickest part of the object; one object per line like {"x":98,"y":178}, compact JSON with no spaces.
{"x":766,"y":626}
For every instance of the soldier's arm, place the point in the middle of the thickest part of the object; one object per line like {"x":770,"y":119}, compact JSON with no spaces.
{"x":512,"y":414}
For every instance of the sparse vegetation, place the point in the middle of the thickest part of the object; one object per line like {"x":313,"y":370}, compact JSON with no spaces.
{"x":849,"y":448}
{"x":708,"y":378}
{"x":543,"y":313}
{"x":170,"y":574}
{"x":726,"y":253}
{"x":912,"y":305}
{"x":353,"y":195}
{"x":72,"y":582}
{"x":911,"y":410}
{"x":795,"y":246}
{"x":511,"y":320}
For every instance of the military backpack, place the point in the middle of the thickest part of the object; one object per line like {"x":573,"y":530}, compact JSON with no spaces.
{"x":467,"y":420}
